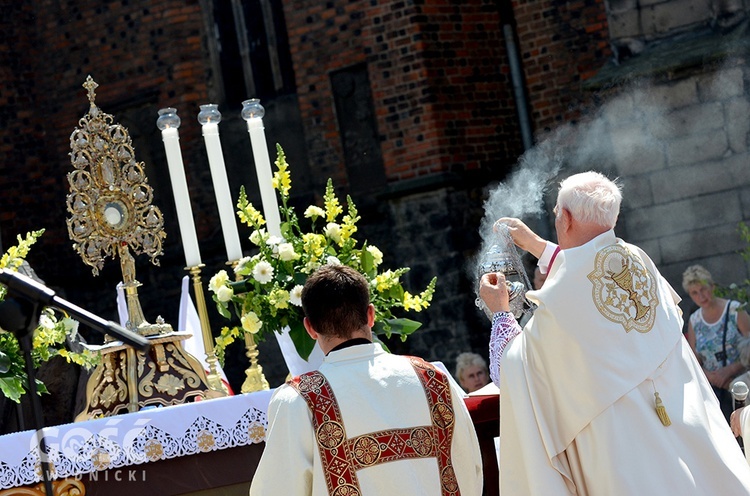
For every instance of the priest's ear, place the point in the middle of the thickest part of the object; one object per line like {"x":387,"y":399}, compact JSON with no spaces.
{"x":309,"y":328}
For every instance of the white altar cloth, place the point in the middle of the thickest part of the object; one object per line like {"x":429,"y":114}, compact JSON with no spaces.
{"x":134,"y":438}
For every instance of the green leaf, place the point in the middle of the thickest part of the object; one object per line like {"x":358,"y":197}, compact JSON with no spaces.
{"x":223,"y":311}
{"x":12,"y":388}
{"x":302,"y":341}
{"x":404,"y":327}
{"x":367,"y":261}
{"x":376,"y":339}
{"x":396,"y":292}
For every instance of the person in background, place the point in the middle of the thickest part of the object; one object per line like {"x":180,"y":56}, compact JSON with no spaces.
{"x":367,"y":422}
{"x":714,"y":331}
{"x":600,"y":393}
{"x":471,"y":371}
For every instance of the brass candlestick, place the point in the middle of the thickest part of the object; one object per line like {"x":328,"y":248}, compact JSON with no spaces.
{"x":215,"y":384}
{"x":254,"y":380}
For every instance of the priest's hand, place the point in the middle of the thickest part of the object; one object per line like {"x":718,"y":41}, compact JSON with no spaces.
{"x":734,"y":422}
{"x":494,"y":292}
{"x":523,"y":236}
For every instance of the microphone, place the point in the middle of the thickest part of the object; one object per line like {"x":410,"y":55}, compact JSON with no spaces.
{"x":25,"y":287}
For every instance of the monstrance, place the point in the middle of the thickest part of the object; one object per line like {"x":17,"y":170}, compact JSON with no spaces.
{"x":111,"y":213}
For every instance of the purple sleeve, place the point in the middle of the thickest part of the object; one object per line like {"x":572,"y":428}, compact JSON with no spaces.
{"x":504,"y":328}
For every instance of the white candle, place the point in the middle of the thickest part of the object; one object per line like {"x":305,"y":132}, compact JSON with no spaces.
{"x":262,"y":166}
{"x":221,"y":190}
{"x":171,"y":139}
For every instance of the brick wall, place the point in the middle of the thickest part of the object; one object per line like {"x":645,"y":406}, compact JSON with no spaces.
{"x":562,"y":45}
{"x":438,"y":76}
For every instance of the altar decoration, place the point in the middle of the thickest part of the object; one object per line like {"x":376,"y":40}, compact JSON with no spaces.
{"x":81,"y":450}
{"x":49,"y":337}
{"x":267,"y":296}
{"x":111,"y":209}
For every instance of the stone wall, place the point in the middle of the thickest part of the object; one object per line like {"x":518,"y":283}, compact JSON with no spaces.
{"x":680,"y":148}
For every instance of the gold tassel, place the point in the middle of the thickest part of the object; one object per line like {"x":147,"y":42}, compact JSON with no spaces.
{"x":661,"y":411}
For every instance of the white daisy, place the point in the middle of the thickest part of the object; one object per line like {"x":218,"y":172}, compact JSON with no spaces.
{"x":263,"y":272}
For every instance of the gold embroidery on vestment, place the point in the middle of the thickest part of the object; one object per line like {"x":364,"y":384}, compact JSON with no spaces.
{"x":624,"y":290}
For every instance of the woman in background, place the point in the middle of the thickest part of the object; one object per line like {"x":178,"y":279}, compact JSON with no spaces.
{"x":471,"y":371}
{"x":714,"y":331}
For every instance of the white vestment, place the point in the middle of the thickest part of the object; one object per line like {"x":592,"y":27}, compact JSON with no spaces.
{"x":376,"y":391}
{"x":577,"y":388}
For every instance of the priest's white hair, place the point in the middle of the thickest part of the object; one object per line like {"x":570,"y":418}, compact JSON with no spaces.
{"x":591,"y":198}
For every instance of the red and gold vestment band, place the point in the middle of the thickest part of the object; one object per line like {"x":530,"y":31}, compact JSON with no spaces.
{"x":342,"y":457}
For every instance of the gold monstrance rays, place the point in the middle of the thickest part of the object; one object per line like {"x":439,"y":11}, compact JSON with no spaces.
{"x":110,"y":199}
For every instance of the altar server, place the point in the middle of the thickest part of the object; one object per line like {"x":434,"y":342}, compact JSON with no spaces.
{"x":368,"y":422}
{"x":600,"y":393}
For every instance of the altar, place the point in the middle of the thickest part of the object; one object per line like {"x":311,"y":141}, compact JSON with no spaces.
{"x":191,"y":449}
{"x":180,"y":449}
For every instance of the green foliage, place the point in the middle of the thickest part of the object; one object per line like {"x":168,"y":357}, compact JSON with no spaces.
{"x":48,"y":340}
{"x":266,"y":297}
{"x":738,"y":291}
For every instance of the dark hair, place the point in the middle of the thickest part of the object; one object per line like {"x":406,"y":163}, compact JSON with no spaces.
{"x":335,"y":300}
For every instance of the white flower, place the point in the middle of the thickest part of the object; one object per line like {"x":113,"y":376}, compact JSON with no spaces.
{"x":241,"y":263}
{"x":377,"y":255}
{"x":274,"y":240}
{"x":314,"y":212}
{"x":46,"y":321}
{"x":295,"y":295}
{"x":310,"y":267}
{"x":224,"y":293}
{"x":333,"y":231}
{"x":257,"y":236}
{"x":286,"y":252}
{"x":263,"y":272}
{"x":251,"y":323}
{"x":331,"y":260}
{"x":71,"y":326}
{"x":218,"y":281}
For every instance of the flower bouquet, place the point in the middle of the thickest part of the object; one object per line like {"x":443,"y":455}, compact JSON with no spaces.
{"x":266,"y":291}
{"x":49,"y":336}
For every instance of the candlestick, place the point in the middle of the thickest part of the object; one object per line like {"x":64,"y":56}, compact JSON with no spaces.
{"x":253,"y":112}
{"x":168,"y":122}
{"x":209,"y":117}
{"x":213,"y":378}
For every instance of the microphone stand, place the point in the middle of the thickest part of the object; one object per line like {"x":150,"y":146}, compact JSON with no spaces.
{"x":19,"y":314}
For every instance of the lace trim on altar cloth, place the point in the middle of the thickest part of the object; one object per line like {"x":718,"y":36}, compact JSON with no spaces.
{"x":504,"y":328}
{"x":81,"y":451}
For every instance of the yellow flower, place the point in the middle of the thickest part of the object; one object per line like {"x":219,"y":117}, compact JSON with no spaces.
{"x":333,"y":207}
{"x":251,"y":216}
{"x":314,"y":244}
{"x":384,"y":281}
{"x":282,"y":180}
{"x":251,"y":323}
{"x":412,"y":302}
{"x":279,"y":298}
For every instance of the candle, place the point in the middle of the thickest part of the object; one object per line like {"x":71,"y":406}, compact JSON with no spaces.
{"x":168,"y":122}
{"x":252,"y":112}
{"x":209,"y":117}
